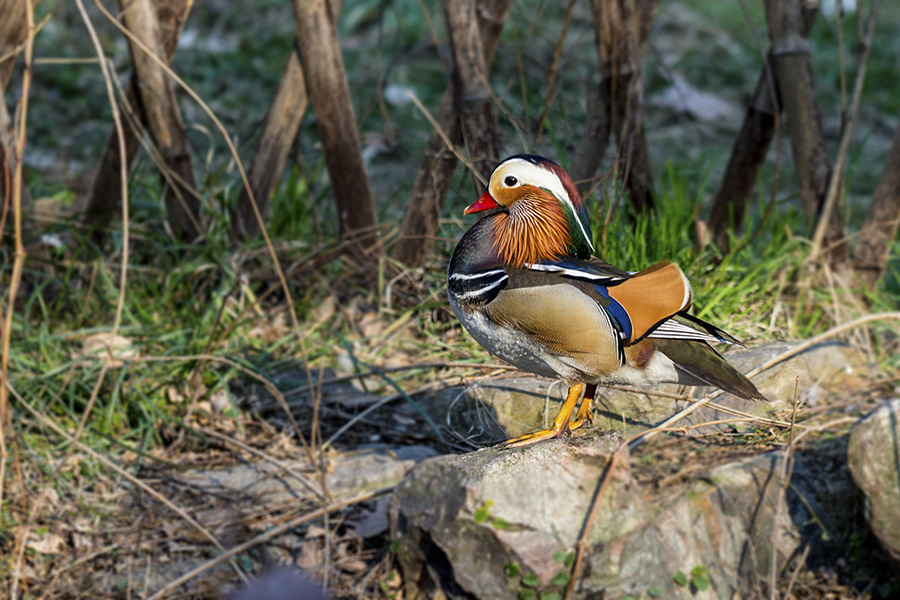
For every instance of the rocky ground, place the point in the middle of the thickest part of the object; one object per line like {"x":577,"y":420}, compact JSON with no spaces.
{"x":799,"y":495}
{"x":407,"y":496}
{"x":710,"y":511}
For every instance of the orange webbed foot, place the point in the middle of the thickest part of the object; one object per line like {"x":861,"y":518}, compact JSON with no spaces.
{"x":561,"y":425}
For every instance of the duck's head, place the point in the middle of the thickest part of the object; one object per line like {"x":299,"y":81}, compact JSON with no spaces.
{"x":542,"y":214}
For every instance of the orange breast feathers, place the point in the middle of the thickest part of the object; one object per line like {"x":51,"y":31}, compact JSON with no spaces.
{"x":653,"y":295}
{"x":534,"y":229}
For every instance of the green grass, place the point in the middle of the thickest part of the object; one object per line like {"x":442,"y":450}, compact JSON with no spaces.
{"x":212,"y":298}
{"x":183,"y":300}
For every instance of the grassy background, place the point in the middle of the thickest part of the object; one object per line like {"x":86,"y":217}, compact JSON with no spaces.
{"x":186,"y":300}
{"x":213,"y":299}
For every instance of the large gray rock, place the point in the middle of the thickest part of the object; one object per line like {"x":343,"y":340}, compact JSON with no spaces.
{"x":448,"y":547}
{"x":874,"y":460}
{"x":487,"y":412}
{"x":463,"y":521}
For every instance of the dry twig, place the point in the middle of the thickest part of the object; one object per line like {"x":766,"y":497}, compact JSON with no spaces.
{"x":18,"y":263}
{"x":49,"y":423}
{"x":263,"y":537}
{"x":837,"y":173}
{"x":582,"y":545}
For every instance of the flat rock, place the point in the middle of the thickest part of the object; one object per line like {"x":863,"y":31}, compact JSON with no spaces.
{"x":346,"y":475}
{"x":464,"y":520}
{"x":492,"y":523}
{"x":487,"y":412}
{"x":874,"y":460}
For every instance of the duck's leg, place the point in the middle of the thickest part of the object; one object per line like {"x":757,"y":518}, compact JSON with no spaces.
{"x":560,"y":423}
{"x":585,"y":415}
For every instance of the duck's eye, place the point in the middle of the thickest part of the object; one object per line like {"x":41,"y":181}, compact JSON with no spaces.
{"x":510,"y":181}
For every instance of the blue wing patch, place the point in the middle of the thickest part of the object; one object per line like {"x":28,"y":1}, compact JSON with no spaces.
{"x":617,"y":312}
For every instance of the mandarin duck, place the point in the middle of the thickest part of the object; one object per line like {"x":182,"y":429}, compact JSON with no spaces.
{"x":524,"y":283}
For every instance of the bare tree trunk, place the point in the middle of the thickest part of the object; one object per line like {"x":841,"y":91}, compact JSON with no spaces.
{"x":426,"y":202}
{"x":105,"y":194}
{"x":13,"y":29}
{"x":747,"y":157}
{"x":159,"y":108}
{"x":790,"y":54}
{"x":435,"y":173}
{"x":750,"y":149}
{"x":880,"y":229}
{"x":278,"y":135}
{"x":471,"y":95}
{"x":590,"y":150}
{"x":621,"y":28}
{"x":326,"y":82}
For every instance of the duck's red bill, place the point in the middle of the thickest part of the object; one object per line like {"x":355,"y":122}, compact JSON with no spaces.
{"x":483,"y":203}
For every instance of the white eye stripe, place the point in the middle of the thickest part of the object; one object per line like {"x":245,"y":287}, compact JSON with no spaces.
{"x":542,"y":178}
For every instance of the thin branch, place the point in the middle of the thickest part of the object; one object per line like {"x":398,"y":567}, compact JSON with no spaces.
{"x":237,"y":160}
{"x":446,"y":138}
{"x":554,"y":71}
{"x":837,"y":174}
{"x":581,"y":548}
{"x":278,"y":463}
{"x":833,"y":332}
{"x":19,"y":261}
{"x":123,"y":274}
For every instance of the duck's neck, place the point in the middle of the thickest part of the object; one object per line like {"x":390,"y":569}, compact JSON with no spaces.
{"x":533,"y":230}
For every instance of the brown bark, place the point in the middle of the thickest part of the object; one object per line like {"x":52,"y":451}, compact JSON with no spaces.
{"x":590,"y":150}
{"x":750,"y":149}
{"x":105,"y":194}
{"x":621,"y":28}
{"x":790,"y":55}
{"x":326,"y":83}
{"x":161,"y":116}
{"x":13,"y":29}
{"x":433,"y":179}
{"x":12,"y":32}
{"x":278,"y":135}
{"x":880,"y":228}
{"x":31,"y":230}
{"x":747,"y":156}
{"x":471,"y":95}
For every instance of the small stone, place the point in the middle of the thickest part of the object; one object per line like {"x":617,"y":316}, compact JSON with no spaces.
{"x":874,"y":461}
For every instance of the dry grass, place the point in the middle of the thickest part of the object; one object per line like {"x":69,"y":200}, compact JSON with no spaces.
{"x":210,"y":357}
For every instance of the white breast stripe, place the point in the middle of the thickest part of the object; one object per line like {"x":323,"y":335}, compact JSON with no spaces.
{"x":479,"y":275}
{"x":614,"y":333}
{"x":482,"y":290}
{"x":676,"y":331}
{"x":573,"y":273}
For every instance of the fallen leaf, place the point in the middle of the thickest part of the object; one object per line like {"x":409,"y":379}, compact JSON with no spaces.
{"x":111,"y":350}
{"x":48,"y":543}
